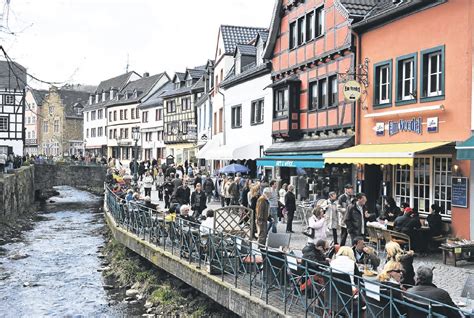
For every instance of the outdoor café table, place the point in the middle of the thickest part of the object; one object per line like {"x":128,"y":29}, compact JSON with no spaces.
{"x":458,"y":252}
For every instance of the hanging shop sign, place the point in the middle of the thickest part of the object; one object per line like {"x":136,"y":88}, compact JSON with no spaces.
{"x":380,"y":129}
{"x":432,"y":124}
{"x":405,"y":125}
{"x":352,"y":91}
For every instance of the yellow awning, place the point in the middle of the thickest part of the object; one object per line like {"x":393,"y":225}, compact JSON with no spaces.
{"x":385,"y":154}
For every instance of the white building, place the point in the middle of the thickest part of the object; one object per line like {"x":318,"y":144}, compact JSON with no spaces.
{"x":152,"y":138}
{"x":34,"y":99}
{"x":95,"y":114}
{"x":123,"y":114}
{"x":248,"y":106}
{"x":12,"y":107}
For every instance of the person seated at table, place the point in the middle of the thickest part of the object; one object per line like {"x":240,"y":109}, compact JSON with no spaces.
{"x":392,"y":211}
{"x":129,"y":196}
{"x":395,"y":253}
{"x":207,"y":226}
{"x":425,"y":288}
{"x":390,"y":277}
{"x":171,"y":215}
{"x":434,"y":221}
{"x":184,"y":214}
{"x":316,"y":254}
{"x":148,"y":204}
{"x":345,"y":262}
{"x":364,"y":254}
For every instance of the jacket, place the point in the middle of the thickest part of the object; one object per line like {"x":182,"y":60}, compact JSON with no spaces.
{"x":333,"y":215}
{"x":366,"y":258}
{"x":311,"y":253}
{"x":430,"y":291}
{"x":147,"y":181}
{"x":319,"y":227}
{"x":343,"y":203}
{"x":262,"y":210}
{"x":436,"y":224}
{"x":208,"y":186}
{"x":182,"y":195}
{"x":198,"y":205}
{"x":290,"y":201}
{"x":234,"y":192}
{"x":355,"y":220}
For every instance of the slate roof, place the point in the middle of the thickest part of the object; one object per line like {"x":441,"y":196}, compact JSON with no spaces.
{"x":70,"y":98}
{"x":176,"y":92}
{"x":247,"y":49}
{"x":156,"y":99}
{"x":180,"y":76}
{"x":196,"y":73}
{"x":39,"y":95}
{"x":233,"y":35}
{"x":310,"y":146}
{"x":143,"y":86}
{"x":12,"y":75}
{"x":199,"y":84}
{"x":117,"y":82}
{"x":264,"y":35}
{"x":248,"y":74}
{"x":359,"y":8}
{"x":201,"y":100}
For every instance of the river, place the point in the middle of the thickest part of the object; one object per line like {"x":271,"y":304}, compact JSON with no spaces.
{"x":59,"y":275}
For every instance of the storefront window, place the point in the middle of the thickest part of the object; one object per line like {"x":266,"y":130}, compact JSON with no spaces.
{"x":442,"y":185}
{"x":422,"y":185}
{"x":402,"y":184}
{"x":331,"y":178}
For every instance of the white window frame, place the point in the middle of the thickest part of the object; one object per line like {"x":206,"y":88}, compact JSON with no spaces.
{"x":438,"y":73}
{"x":408,"y":77}
{"x":259,"y":103}
{"x":9,"y":99}
{"x":384,"y":85}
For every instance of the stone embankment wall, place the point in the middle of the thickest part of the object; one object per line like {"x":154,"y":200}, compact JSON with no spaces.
{"x":83,"y":177}
{"x":17,"y":193}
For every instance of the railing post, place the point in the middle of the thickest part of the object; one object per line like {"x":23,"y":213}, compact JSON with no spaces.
{"x":285,"y":277}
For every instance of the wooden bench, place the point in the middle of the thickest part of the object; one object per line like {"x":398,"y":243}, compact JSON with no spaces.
{"x":457,"y":253}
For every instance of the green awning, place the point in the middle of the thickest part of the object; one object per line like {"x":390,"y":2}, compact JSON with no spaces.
{"x":465,"y":149}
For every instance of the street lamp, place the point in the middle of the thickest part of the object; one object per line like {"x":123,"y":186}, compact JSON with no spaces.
{"x":135,"y":137}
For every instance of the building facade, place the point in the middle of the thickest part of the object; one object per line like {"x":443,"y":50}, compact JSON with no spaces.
{"x":61,"y":122}
{"x":95,"y":112}
{"x":12,"y":107}
{"x":180,"y":134}
{"x":34,"y":100}
{"x":417,"y":107}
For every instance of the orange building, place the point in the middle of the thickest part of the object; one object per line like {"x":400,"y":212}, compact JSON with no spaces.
{"x":312,"y":52}
{"x":417,"y":106}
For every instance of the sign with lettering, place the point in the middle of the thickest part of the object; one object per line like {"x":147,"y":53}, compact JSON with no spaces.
{"x":459,"y":191}
{"x":285,"y":163}
{"x":352,"y":91}
{"x":380,"y":129}
{"x":405,"y":125}
{"x":432,"y":124}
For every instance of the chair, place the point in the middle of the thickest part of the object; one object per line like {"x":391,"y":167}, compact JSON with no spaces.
{"x":419,"y":309}
{"x":400,"y":238}
{"x":339,"y":294}
{"x":276,"y":240}
{"x":294,"y":277}
{"x":374,"y":236}
{"x":378,"y":301}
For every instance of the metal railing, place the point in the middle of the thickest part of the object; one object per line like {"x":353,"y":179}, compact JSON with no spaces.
{"x":294,"y":285}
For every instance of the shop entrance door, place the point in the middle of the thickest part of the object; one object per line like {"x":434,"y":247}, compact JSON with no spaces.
{"x":372,"y":185}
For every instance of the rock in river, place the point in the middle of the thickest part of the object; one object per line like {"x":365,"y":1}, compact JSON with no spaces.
{"x":131,"y":293}
{"x":18,"y":256}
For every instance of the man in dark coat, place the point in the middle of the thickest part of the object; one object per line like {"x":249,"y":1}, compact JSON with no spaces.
{"x":168,"y":190}
{"x":198,"y":201}
{"x":425,"y":288}
{"x":209,"y":188}
{"x":357,"y":216}
{"x":177,"y":182}
{"x":262,"y":212}
{"x":364,"y":254}
{"x":183,"y":194}
{"x":290,"y":205}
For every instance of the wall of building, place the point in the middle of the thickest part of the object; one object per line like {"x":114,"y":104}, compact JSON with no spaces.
{"x":17,"y":193}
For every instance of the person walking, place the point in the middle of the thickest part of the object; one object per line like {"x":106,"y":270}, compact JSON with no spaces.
{"x":273,"y":199}
{"x":254,"y":194}
{"x":198,"y":201}
{"x":227,"y":194}
{"x":317,"y":222}
{"x":141,"y":170}
{"x":208,"y":188}
{"x":168,"y":190}
{"x":159,"y":181}
{"x":147,"y":183}
{"x":290,"y":205}
{"x":234,"y":192}
{"x":333,"y":215}
{"x":343,"y":202}
{"x":262,"y":212}
{"x":244,"y":197}
{"x":357,"y":217}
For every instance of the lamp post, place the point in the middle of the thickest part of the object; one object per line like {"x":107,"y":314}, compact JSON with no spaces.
{"x":135,"y":137}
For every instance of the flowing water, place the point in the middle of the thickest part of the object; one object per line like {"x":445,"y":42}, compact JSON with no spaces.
{"x":58,"y":275}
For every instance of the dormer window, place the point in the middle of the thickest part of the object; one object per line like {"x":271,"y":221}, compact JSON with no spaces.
{"x":176,"y":85}
{"x":259,"y":52}
{"x":96,"y":98}
{"x":112,"y":93}
{"x":125,"y":95}
{"x":135,"y":94}
{"x":104,"y":96}
{"x":238,"y":63}
{"x":189,"y":82}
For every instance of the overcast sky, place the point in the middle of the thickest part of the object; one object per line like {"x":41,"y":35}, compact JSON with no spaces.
{"x":86,"y":41}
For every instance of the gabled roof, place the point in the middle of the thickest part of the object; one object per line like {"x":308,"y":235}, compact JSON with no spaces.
{"x":359,"y":8}
{"x":39,"y":95}
{"x":247,"y":75}
{"x":142,"y":86}
{"x":246,"y":49}
{"x":72,"y":98}
{"x":117,"y":82}
{"x":156,"y":99}
{"x":12,"y":75}
{"x":233,"y":35}
{"x":263,"y":35}
{"x":195,"y":73}
{"x":199,"y":84}
{"x":179,"y":75}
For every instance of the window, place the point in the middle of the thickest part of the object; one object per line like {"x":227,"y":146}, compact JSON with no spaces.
{"x":148,"y":136}
{"x":406,"y":78}
{"x":145,"y":117}
{"x":56,"y":126}
{"x":158,"y":114}
{"x":281,"y":102}
{"x":121,"y":114}
{"x":110,"y":116}
{"x":333,"y":97}
{"x":93,"y":115}
{"x":301,"y":31}
{"x":172,"y":128}
{"x":100,"y":113}
{"x":51,"y":111}
{"x":184,"y":127}
{"x":115,"y":115}
{"x":215,"y":123}
{"x":3,"y":123}
{"x":256,"y":112}
{"x":442,"y":184}
{"x":33,"y":134}
{"x":421,"y":184}
{"x":293,"y":35}
{"x":402,"y":184}
{"x":125,"y":133}
{"x":159,"y":136}
{"x":177,"y":85}
{"x":87,"y":133}
{"x":221,"y":120}
{"x":313,"y":96}
{"x":93,"y":130}
{"x":137,"y":113}
{"x":236,"y":116}
{"x":45,"y":126}
{"x":432,"y":69}
{"x":125,"y":114}
{"x":383,"y":90}
{"x":132,"y":112}
{"x":322,"y":93}
{"x":310,"y":26}
{"x":9,"y":99}
{"x":186,"y":103}
{"x":189,"y":82}
{"x":319,"y":22}
{"x":111,"y":133}
{"x":171,"y":106}
{"x":99,"y":132}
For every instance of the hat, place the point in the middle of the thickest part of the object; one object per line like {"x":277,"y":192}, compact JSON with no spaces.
{"x":348,"y":186}
{"x":408,"y":210}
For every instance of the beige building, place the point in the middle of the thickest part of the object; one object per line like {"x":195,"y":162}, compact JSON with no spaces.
{"x":61,"y":122}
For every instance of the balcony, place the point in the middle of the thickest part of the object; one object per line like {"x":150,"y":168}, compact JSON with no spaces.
{"x":31,"y":142}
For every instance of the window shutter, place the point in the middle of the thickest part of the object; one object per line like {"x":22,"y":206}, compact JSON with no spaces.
{"x":424,"y":71}
{"x":400,"y":80}
{"x":377,"y":86}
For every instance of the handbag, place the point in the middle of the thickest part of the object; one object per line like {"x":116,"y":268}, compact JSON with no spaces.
{"x":309,"y":232}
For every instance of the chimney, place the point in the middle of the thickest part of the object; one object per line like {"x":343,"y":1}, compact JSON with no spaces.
{"x":91,"y":99}
{"x":146,"y":74}
{"x":113,"y":91}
